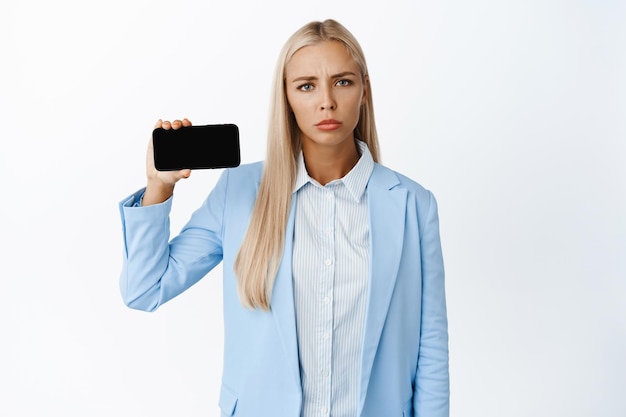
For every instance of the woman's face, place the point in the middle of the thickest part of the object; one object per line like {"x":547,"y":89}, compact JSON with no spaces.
{"x":325,"y":91}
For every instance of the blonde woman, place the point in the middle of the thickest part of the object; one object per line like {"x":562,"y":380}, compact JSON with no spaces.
{"x":334,"y":300}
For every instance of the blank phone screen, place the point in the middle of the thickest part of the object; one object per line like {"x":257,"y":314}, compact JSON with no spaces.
{"x":196,"y":147}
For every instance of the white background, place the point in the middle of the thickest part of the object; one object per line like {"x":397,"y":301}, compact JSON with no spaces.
{"x":512,"y":112}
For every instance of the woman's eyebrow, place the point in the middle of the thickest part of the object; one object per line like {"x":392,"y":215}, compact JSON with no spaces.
{"x":314,"y":78}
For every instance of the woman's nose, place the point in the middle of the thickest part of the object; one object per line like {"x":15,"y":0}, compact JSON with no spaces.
{"x":328,"y":101}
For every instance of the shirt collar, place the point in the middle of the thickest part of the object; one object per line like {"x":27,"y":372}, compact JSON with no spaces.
{"x":355,"y":180}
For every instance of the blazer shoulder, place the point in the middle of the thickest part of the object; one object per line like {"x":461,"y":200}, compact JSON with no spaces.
{"x":419,"y":198}
{"x":244,"y":175}
{"x":251,"y":170}
{"x":394,"y":179}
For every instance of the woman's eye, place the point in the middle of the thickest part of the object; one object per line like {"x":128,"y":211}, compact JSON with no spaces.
{"x":343,"y":83}
{"x":306,"y":87}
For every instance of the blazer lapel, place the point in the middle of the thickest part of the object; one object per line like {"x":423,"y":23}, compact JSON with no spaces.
{"x":282,"y":302}
{"x":387,"y":210}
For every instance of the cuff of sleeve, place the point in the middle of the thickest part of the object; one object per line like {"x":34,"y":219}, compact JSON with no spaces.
{"x":132,"y":205}
{"x":133,"y":200}
{"x":138,"y":218}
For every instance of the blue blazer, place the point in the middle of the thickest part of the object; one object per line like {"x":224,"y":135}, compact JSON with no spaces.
{"x":404,"y":363}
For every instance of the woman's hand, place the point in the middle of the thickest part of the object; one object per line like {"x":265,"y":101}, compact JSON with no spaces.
{"x":161,"y":184}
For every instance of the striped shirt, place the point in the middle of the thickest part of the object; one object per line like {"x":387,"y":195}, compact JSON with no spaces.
{"x":330,"y":275}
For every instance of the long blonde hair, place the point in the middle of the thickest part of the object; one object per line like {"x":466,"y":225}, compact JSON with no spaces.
{"x":261,"y":251}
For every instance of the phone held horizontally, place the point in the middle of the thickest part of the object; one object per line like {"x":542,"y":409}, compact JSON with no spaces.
{"x":196,"y":147}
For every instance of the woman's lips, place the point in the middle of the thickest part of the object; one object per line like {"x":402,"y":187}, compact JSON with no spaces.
{"x":328,"y":124}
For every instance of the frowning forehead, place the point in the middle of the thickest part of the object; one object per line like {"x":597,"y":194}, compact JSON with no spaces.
{"x":329,"y":59}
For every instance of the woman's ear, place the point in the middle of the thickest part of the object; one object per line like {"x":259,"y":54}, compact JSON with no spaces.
{"x":366,"y":89}
{"x":287,"y":104}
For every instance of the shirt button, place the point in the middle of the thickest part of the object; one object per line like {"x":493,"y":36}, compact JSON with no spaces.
{"x":329,"y":195}
{"x":328,"y":262}
{"x":323,"y":410}
{"x":326,"y":335}
{"x":326,"y":300}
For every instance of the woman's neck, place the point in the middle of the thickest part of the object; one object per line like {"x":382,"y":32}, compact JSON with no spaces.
{"x":326,"y":163}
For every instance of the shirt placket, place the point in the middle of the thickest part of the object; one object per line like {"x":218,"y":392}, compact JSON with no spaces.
{"x":326,"y":296}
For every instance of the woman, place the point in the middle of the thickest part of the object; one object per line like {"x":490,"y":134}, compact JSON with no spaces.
{"x":334,"y":297}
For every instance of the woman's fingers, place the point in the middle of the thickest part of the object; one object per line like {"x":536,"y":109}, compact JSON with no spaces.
{"x":176,"y":124}
{"x":166,"y":177}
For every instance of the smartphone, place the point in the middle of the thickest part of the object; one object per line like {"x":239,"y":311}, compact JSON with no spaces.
{"x":196,"y":147}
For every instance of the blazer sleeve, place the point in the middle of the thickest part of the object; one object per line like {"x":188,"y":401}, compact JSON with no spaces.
{"x":155,"y":269}
{"x":432,"y":389}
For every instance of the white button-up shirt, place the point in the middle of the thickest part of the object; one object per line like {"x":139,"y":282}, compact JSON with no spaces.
{"x":330,"y":274}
